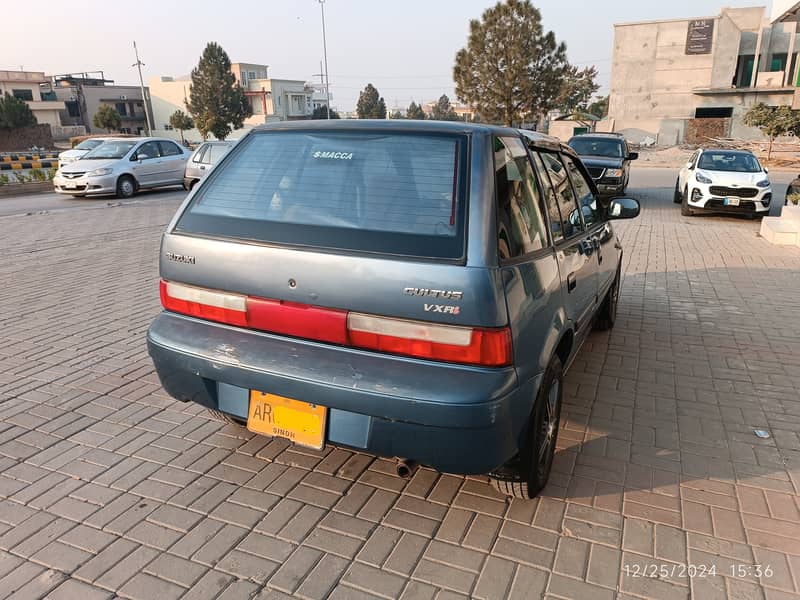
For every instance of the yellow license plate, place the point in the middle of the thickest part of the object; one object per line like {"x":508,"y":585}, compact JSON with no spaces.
{"x":299,"y":422}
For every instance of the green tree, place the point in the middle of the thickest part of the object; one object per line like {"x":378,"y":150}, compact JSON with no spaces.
{"x":443,"y":111}
{"x":773,"y":121}
{"x":216,"y":101}
{"x":107,"y":118}
{"x":415,"y":112}
{"x":370,"y":104}
{"x":510,"y":68}
{"x":15,"y":113}
{"x":181,"y":121}
{"x":321,"y":113}
{"x":599,"y":107}
{"x":577,"y":88}
{"x":397,"y":115}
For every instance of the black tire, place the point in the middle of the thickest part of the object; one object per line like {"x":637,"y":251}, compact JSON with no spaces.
{"x":126,"y":187}
{"x":607,"y":315}
{"x":677,"y":198}
{"x":525,"y":475}
{"x":685,"y":210}
{"x":225,"y":418}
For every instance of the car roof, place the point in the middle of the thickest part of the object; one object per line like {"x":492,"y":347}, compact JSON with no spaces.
{"x":728,"y":151}
{"x":427,"y":126}
{"x":600,"y":134}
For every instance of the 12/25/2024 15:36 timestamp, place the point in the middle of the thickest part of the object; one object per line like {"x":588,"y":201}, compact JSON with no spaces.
{"x":680,"y":570}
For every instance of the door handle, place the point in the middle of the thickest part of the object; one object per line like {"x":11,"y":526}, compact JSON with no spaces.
{"x":202,"y":168}
{"x":586,"y":246}
{"x":572,"y":281}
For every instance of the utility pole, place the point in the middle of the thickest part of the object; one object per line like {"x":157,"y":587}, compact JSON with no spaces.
{"x":139,"y":64}
{"x":325,"y":55}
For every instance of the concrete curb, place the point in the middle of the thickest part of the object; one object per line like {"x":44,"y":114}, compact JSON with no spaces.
{"x":22,"y":189}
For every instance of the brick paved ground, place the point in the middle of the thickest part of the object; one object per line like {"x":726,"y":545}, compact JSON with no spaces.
{"x":109,"y":487}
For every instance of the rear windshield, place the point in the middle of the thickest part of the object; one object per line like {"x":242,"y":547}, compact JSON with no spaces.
{"x":389,"y":193}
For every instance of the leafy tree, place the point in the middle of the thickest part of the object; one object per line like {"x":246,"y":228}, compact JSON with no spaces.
{"x":443,"y":111}
{"x":599,"y":107}
{"x":415,"y":112}
{"x":107,"y":118}
{"x":577,"y":88}
{"x":370,"y":104}
{"x":510,"y":68}
{"x":397,"y":115}
{"x":773,"y":121}
{"x":321,"y":113}
{"x":181,"y":121}
{"x":217,"y":102}
{"x":15,"y":113}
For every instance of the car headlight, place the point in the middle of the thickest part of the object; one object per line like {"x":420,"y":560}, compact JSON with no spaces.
{"x":58,"y":173}
{"x":702,"y":178}
{"x":613,"y":173}
{"x":763,"y":184}
{"x":99,"y":172}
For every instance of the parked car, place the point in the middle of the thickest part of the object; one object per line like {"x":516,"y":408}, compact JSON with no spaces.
{"x":205,"y":157}
{"x":720,"y":180}
{"x":69,"y":156}
{"x":608,"y":160}
{"x":409,"y":289}
{"x":123,"y":167}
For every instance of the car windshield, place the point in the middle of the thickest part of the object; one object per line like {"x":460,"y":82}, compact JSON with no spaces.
{"x":729,"y":161}
{"x":597,"y":147}
{"x":366,"y":191}
{"x":88,"y":144}
{"x":110,"y":150}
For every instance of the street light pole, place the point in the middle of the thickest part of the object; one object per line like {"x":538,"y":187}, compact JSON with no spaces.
{"x":325,"y":55}
{"x":139,"y":64}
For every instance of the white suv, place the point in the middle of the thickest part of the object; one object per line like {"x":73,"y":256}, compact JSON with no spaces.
{"x":719,"y":180}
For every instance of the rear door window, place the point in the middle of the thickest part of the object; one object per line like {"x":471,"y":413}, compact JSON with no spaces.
{"x":583,"y":191}
{"x":520,"y":225}
{"x":215,"y":152}
{"x":169,"y":149}
{"x":198,"y":157}
{"x":550,"y":199}
{"x":571,"y":223}
{"x":368,"y":191}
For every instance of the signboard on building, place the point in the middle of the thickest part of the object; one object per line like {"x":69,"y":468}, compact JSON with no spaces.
{"x":699,"y":36}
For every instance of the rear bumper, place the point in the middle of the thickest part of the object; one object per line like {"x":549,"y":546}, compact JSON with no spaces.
{"x":455,"y":418}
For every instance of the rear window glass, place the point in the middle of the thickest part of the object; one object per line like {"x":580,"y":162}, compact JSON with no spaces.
{"x":365,"y":191}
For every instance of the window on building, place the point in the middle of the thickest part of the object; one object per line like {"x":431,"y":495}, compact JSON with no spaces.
{"x":744,"y":70}
{"x":520,"y":224}
{"x":168,"y":127}
{"x":251,"y":74}
{"x":125,"y":130}
{"x":713,"y":112}
{"x":778,"y":62}
{"x":23,"y":94}
{"x":73,"y":110}
{"x":122,"y":109}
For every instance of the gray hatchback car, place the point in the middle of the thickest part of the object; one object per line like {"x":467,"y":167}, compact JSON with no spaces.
{"x":409,"y":289}
{"x":205,"y":157}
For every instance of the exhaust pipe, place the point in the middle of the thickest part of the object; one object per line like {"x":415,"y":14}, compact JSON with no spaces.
{"x":405,"y":468}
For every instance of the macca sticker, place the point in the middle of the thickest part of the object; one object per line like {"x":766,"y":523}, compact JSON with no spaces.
{"x":333,"y":155}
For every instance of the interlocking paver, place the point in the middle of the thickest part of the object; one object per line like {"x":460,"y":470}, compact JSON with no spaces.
{"x":657,"y":464}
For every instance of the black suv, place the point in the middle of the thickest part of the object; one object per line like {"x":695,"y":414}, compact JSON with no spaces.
{"x":607,"y":158}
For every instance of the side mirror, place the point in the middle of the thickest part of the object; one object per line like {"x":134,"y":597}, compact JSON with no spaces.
{"x":766,"y":170}
{"x":689,"y":165}
{"x":633,"y":155}
{"x":623,"y":208}
{"x":141,"y":157}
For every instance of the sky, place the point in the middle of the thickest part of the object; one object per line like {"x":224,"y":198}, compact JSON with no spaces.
{"x":406,"y":49}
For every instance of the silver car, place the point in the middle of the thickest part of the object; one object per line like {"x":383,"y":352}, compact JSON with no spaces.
{"x":205,"y":157}
{"x":123,"y":167}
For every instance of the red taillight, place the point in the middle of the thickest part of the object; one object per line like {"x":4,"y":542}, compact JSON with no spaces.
{"x":447,"y":343}
{"x":204,"y":304}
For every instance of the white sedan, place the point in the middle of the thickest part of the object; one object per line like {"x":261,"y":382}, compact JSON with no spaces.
{"x":730,"y":181}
